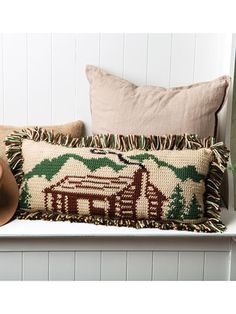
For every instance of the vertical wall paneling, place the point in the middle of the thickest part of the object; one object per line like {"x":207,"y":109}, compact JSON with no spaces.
{"x":87,"y":52}
{"x":39,"y":79}
{"x":87,"y":265}
{"x":226,"y":46}
{"x":61,"y":266}
{"x":216,"y":266}
{"x":191,"y":265}
{"x":43,"y":76}
{"x":158,"y":59}
{"x":15,"y":79}
{"x":233,"y":260}
{"x":63,"y":78}
{"x":139,"y":265}
{"x":209,"y":63}
{"x":165,"y":265}
{"x":113,"y":266}
{"x":35,"y":266}
{"x":1,"y":81}
{"x":112,"y":45}
{"x":182,"y":59}
{"x":10,"y":265}
{"x":135,"y":57}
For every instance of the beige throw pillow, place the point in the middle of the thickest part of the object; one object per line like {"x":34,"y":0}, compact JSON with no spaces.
{"x":120,"y":107}
{"x":75,"y":129}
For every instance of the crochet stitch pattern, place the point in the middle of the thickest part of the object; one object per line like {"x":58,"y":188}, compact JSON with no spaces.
{"x":158,"y":182}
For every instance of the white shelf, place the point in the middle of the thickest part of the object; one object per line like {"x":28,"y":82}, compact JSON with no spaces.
{"x":39,"y":228}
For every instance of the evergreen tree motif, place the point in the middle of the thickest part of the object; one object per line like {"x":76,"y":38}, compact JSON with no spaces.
{"x":25,"y":197}
{"x":194,"y":209}
{"x":177,"y":204}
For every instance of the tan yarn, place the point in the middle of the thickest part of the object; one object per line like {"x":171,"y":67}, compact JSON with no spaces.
{"x":168,"y":182}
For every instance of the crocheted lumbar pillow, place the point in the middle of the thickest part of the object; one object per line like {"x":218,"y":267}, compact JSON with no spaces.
{"x":167,"y":182}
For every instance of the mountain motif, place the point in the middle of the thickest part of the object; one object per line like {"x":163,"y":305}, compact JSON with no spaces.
{"x":49,"y":168}
{"x":183,"y":173}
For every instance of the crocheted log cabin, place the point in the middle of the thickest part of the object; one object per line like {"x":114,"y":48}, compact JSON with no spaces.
{"x":167,"y":182}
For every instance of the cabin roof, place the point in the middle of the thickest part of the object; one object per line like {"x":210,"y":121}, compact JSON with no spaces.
{"x":90,"y":185}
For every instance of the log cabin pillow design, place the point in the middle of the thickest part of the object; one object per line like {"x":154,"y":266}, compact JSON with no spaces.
{"x":167,"y":182}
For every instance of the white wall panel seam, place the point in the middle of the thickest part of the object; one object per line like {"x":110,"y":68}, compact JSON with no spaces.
{"x":124,"y":44}
{"x":51,"y":78}
{"x":194,"y":58}
{"x":75,"y":260}
{"x":178,"y":266}
{"x":76,"y":77}
{"x":171,"y":43}
{"x":74,"y":265}
{"x":229,"y":265}
{"x":204,"y":265}
{"x":152,"y":266}
{"x":48,"y":265}
{"x":22,"y":266}
{"x":100,"y":265}
{"x":123,"y":65}
{"x":27,"y":75}
{"x":3,"y":93}
{"x":126,"y":266}
{"x":232,"y":260}
{"x":147,"y":59}
{"x":99,"y":50}
{"x":230,"y":257}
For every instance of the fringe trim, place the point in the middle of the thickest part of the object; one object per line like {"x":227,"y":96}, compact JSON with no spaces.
{"x":208,"y":226}
{"x":127,"y":143}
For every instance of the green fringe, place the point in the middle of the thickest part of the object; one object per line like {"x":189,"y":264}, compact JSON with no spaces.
{"x":127,"y":143}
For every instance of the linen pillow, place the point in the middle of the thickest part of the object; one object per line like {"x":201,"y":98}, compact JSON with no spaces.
{"x":120,"y":107}
{"x":169,"y":182}
{"x":75,"y":129}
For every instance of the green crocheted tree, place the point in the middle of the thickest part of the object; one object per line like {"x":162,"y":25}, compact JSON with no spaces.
{"x":176,"y":204}
{"x":25,"y":197}
{"x":194,"y":209}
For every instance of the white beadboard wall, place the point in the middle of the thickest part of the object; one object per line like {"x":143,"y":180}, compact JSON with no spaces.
{"x":152,"y":260}
{"x":43,"y":77}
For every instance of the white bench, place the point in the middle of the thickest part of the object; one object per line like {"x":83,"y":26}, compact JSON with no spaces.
{"x":41,"y":250}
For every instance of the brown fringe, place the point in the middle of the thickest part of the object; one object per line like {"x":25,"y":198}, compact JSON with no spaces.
{"x":209,"y":226}
{"x":126,"y":143}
